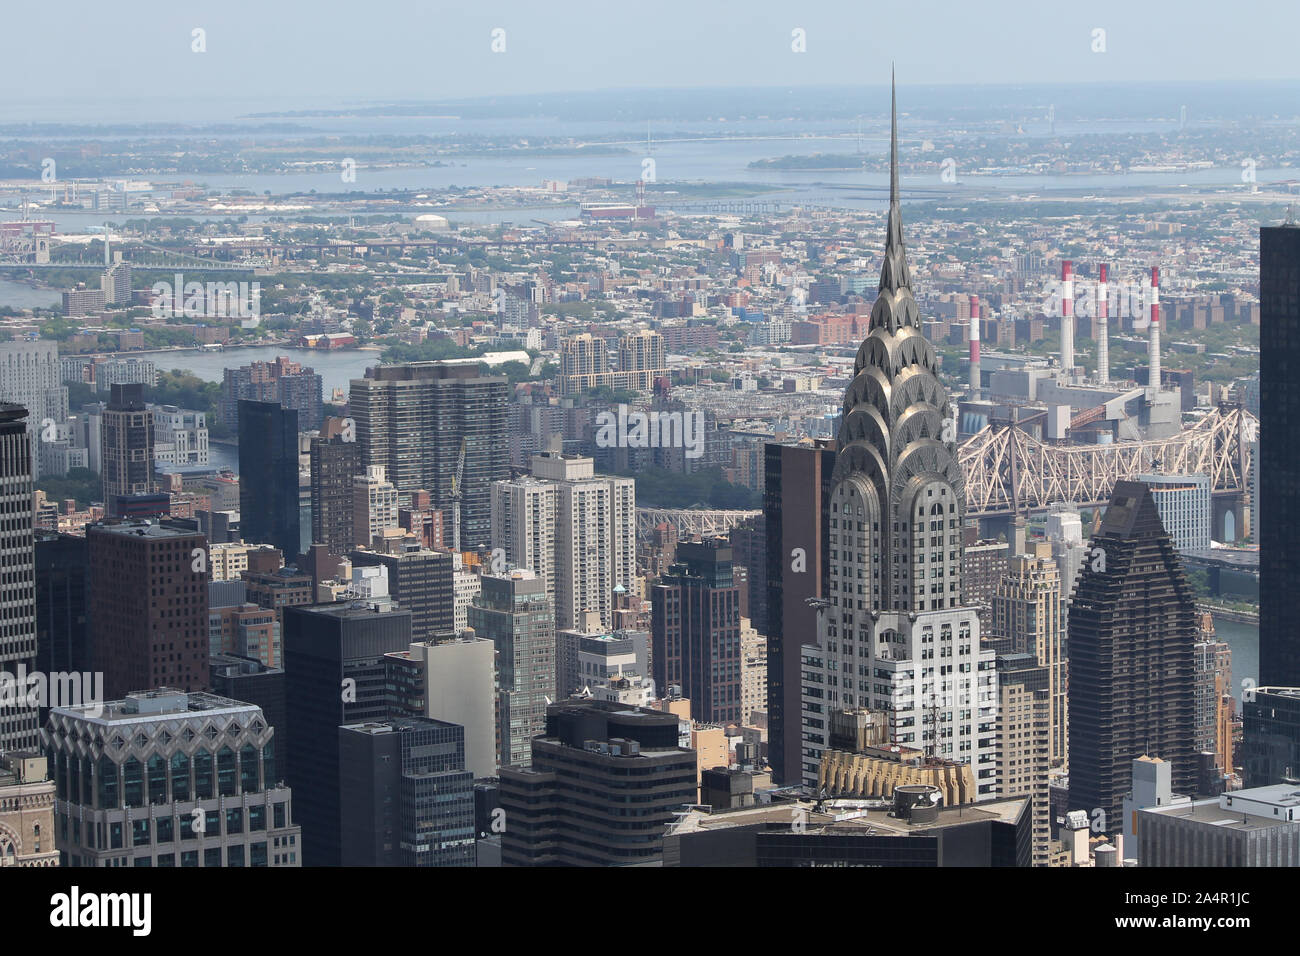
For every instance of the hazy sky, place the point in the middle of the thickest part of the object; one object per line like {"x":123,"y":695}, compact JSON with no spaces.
{"x":282,"y":49}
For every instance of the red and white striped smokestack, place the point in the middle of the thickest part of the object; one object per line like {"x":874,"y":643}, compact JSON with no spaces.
{"x":1154,"y":379}
{"x":1067,"y":317}
{"x":975,"y":346}
{"x":1103,"y":324}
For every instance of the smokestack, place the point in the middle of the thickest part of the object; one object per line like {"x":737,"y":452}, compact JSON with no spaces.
{"x":1103,"y":325}
{"x":1154,"y":380}
{"x":974,"y":347}
{"x":1067,"y":317}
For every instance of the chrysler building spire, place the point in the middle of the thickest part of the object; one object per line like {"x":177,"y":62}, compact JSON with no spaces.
{"x":893,"y":273}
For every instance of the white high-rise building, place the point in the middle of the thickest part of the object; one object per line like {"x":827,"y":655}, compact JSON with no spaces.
{"x":374,"y":503}
{"x":1069,"y":550}
{"x":574,"y":529}
{"x":180,"y":436}
{"x":466,"y":585}
{"x":30,"y":376}
{"x":1185,"y":510}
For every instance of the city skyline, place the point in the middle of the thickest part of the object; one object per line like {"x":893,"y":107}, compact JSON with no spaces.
{"x":652,"y":442}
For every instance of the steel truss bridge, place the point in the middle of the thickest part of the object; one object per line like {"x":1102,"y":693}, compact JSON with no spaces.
{"x":1008,"y":471}
{"x":689,"y":521}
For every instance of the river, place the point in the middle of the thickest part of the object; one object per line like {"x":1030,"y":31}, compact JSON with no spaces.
{"x":20,"y":295}
{"x":1243,"y":638}
{"x":336,"y":369}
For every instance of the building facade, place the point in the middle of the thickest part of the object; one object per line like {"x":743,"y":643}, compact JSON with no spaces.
{"x":148,"y":606}
{"x":604,"y":784}
{"x":406,"y":798}
{"x":514,"y":612}
{"x":414,"y":420}
{"x":894,"y":634}
{"x":1279,"y":459}
{"x":1132,"y":636}
{"x":128,"y":446}
{"x":695,"y":631}
{"x":268,"y":473}
{"x":165,"y":778}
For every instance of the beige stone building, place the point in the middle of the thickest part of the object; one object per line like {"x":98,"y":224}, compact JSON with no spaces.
{"x":753,"y":672}
{"x":1027,"y":611}
{"x":26,"y":811}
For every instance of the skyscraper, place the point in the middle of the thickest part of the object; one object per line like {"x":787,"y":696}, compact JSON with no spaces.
{"x":605,"y":782}
{"x":180,"y":780}
{"x":268,"y":476}
{"x":414,"y":419}
{"x":1024,"y":740}
{"x":283,"y":381}
{"x":148,"y":606}
{"x":335,"y":461}
{"x":453,"y":681}
{"x":1271,"y":736}
{"x":30,"y":377}
{"x":696,"y":631}
{"x":128,"y":454}
{"x":422,"y":581}
{"x":796,"y":499}
{"x":514,"y":613}
{"x":334,"y":664}
{"x":1132,"y":634}
{"x":574,"y":528}
{"x":374,"y":506}
{"x":893,"y":635}
{"x":18,"y":720}
{"x":406,"y":798}
{"x":1027,"y":614}
{"x":62,"y":614}
{"x":1279,"y":458}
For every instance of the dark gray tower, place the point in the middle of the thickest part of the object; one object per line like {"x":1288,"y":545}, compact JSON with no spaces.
{"x":1132,"y":673}
{"x":1279,"y":456}
{"x":268,"y":476}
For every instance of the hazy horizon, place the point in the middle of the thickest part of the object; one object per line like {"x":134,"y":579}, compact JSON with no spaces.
{"x":431,"y":52}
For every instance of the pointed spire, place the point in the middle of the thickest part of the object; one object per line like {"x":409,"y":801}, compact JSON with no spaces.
{"x":893,"y":272}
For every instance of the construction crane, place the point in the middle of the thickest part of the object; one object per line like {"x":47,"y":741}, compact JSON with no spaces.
{"x":455,"y":499}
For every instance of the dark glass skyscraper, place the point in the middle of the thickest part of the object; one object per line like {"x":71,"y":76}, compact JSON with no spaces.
{"x":1132,"y":672}
{"x":1279,"y":458}
{"x":1271,"y":736}
{"x":268,"y":476}
{"x":334,"y":664}
{"x":406,"y":798}
{"x":62,"y":614}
